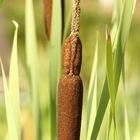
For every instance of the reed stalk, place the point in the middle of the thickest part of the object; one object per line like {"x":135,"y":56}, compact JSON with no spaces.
{"x":70,"y":89}
{"x":48,"y":16}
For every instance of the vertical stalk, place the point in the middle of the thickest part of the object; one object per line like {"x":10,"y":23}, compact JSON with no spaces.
{"x":54,"y":69}
{"x":32,"y":64}
{"x":70,"y":89}
{"x":48,"y":16}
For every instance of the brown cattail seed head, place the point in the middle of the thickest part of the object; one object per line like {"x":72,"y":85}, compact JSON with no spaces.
{"x":70,"y":90}
{"x":72,"y":56}
{"x":70,"y":95}
{"x":48,"y":16}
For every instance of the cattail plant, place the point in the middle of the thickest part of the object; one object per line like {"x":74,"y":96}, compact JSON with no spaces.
{"x":48,"y":15}
{"x":70,"y":90}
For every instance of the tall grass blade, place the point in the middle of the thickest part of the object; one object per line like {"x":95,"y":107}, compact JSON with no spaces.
{"x":55,"y":60}
{"x":12,"y":96}
{"x":63,"y":15}
{"x":110,"y":70}
{"x":123,"y":31}
{"x":92,"y":94}
{"x":32,"y":63}
{"x":117,"y":11}
{"x":14,"y":86}
{"x":110,"y":78}
{"x":126,"y":123}
{"x":101,"y":111}
{"x":122,"y":35}
{"x":13,"y":133}
{"x":109,"y":122}
{"x":67,"y":27}
{"x":127,"y":131}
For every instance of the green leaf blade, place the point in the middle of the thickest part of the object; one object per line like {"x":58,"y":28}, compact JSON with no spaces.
{"x":11,"y":93}
{"x":121,"y":41}
{"x":12,"y":128}
{"x":110,"y":71}
{"x":92,"y":94}
{"x":14,"y":86}
{"x":101,"y":111}
{"x":55,"y":61}
{"x":32,"y":64}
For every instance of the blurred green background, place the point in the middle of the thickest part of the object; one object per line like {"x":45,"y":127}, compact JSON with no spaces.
{"x":95,"y":15}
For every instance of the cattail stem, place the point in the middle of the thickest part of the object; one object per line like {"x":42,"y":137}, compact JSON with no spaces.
{"x":75,"y":26}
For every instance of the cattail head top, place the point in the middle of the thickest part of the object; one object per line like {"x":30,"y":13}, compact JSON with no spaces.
{"x":75,"y":26}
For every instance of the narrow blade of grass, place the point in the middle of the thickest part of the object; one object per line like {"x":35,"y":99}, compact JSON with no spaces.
{"x":117,"y":11}
{"x":110,"y":71}
{"x":68,"y":18}
{"x":32,"y":63}
{"x":126,"y":123}
{"x":63,"y":15}
{"x":30,"y":34}
{"x":55,"y":61}
{"x":12,"y":97}
{"x":56,"y":41}
{"x":124,"y":27}
{"x":109,"y":123}
{"x":101,"y":111}
{"x":110,"y":78}
{"x":14,"y":86}
{"x":127,"y":131}
{"x":92,"y":94}
{"x":12,"y":129}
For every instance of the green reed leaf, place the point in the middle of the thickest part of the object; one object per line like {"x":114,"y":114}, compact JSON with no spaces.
{"x":110,"y":70}
{"x":101,"y":111}
{"x":122,"y":35}
{"x":11,"y":93}
{"x":123,"y":31}
{"x":92,"y":94}
{"x":55,"y":61}
{"x":14,"y":86}
{"x":126,"y":122}
{"x":117,"y":11}
{"x":68,"y":18}
{"x":13,"y":133}
{"x":32,"y":63}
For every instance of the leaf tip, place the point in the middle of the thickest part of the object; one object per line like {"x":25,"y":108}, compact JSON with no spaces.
{"x":15,"y":23}
{"x":108,"y":37}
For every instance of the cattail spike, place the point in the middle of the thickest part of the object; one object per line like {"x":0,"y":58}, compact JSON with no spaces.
{"x":69,"y":107}
{"x":70,"y":90}
{"x":48,"y":16}
{"x":72,"y":57}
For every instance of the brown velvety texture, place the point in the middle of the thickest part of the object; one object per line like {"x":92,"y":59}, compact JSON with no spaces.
{"x":72,"y":58}
{"x":48,"y":16}
{"x":70,"y":94}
